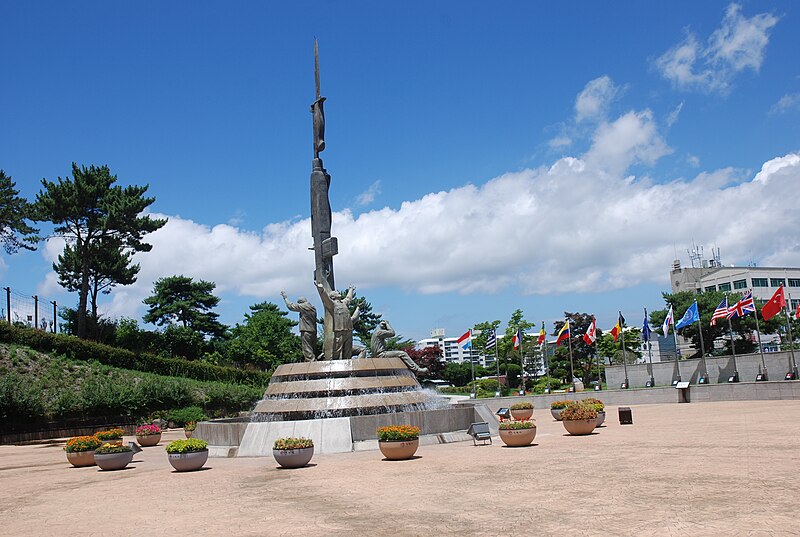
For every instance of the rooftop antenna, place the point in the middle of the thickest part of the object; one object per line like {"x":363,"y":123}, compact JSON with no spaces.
{"x":696,"y":255}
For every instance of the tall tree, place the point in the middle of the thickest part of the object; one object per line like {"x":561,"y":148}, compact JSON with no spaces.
{"x":180,"y":299}
{"x":367,"y":319}
{"x":88,"y":210}
{"x":265,"y":339}
{"x":583,"y":356}
{"x":14,"y":210}
{"x":112,"y":266}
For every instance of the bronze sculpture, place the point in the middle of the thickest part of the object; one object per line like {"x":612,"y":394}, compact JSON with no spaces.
{"x":308,"y":325}
{"x":378,"y":346}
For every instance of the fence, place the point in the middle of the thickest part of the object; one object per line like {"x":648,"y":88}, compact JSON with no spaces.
{"x":29,"y":310}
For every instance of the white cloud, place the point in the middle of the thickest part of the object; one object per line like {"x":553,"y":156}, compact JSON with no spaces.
{"x":738,"y":44}
{"x":789,"y":102}
{"x":560,"y":142}
{"x":368,"y":196}
{"x":631,"y":139}
{"x":693,"y":160}
{"x":672,"y":118}
{"x":592,"y":103}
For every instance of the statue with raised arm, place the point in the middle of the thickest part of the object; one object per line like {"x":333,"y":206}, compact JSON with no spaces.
{"x":336,"y":305}
{"x":378,"y":345}
{"x":308,"y":325}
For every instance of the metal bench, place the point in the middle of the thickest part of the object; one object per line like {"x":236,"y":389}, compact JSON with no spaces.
{"x":480,"y":431}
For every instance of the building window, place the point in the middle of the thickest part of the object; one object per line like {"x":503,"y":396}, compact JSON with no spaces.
{"x":776,"y":282}
{"x":794,"y":282}
{"x":740,"y":284}
{"x":795,"y":303}
{"x":725,"y":287}
{"x":760,"y":282}
{"x":711,"y":288}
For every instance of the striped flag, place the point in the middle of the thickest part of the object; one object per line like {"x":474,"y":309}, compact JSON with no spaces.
{"x":518,"y":338}
{"x":491,"y":342}
{"x":543,"y":334}
{"x":563,"y":333}
{"x":721,"y":312}
{"x":668,"y":321}
{"x":467,"y":337}
{"x":743,"y":307}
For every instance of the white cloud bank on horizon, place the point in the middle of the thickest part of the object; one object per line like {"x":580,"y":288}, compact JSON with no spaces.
{"x":738,"y":44}
{"x":582,"y":224}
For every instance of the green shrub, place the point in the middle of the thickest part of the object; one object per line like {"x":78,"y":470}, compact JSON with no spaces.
{"x":556,"y":405}
{"x":293,"y":443}
{"x":19,"y":400}
{"x":522,"y":405}
{"x":517,"y":425}
{"x":80,"y":349}
{"x":190,"y":445}
{"x":578,"y":411}
{"x":182,"y":416}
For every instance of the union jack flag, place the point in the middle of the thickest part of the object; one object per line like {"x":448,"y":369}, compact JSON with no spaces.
{"x":721,"y":312}
{"x":743,"y":307}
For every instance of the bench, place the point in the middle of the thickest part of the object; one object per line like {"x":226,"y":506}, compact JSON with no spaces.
{"x":480,"y":431}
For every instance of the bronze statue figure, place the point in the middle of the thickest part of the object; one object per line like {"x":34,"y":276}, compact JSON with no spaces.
{"x":308,"y":325}
{"x":378,"y":345}
{"x":336,"y":305}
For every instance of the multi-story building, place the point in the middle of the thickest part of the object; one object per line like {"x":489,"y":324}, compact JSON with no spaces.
{"x":453,"y":352}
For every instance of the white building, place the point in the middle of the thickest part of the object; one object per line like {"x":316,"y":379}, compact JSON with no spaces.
{"x":453,"y":352}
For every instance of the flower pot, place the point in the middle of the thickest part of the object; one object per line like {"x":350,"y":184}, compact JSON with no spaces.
{"x":188,"y":462}
{"x":579,"y":427}
{"x":399,"y":450}
{"x":293,"y":458}
{"x":113,"y":461}
{"x":556,"y":412}
{"x":188,"y":433}
{"x":112,"y":441}
{"x":81,"y":458}
{"x":601,"y":417}
{"x":518,"y":437}
{"x":522,"y":414}
{"x":149,"y":440}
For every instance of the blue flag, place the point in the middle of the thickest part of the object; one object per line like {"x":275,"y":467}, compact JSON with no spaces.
{"x":691,"y":316}
{"x":646,"y":328}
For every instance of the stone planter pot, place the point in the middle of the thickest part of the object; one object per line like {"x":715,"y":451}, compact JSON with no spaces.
{"x":601,"y":417}
{"x":522,"y":414}
{"x":113,"y":461}
{"x":188,"y":462}
{"x":188,"y":433}
{"x":556,"y":412}
{"x":518,"y":437}
{"x":399,"y":450}
{"x":80,"y":458}
{"x":579,"y":427}
{"x":149,"y":440}
{"x":293,"y":458}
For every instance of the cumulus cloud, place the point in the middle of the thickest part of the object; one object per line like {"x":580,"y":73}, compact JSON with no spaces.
{"x":787,"y":103}
{"x":738,"y":44}
{"x":368,"y":196}
{"x":592,"y":103}
{"x":631,"y":139}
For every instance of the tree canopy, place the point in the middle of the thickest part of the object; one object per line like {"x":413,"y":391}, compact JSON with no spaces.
{"x":180,"y":299}
{"x":15,"y":233}
{"x":265,"y":338}
{"x":584,"y":357}
{"x":92,"y":213}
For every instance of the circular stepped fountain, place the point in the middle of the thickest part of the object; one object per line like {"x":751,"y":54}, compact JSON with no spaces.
{"x":340,"y":388}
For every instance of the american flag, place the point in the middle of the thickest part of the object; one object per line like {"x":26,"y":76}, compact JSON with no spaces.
{"x":743,"y":307}
{"x":721,"y":312}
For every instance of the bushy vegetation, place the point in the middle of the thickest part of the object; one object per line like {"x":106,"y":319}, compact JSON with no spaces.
{"x":81,"y":349}
{"x":36,"y":387}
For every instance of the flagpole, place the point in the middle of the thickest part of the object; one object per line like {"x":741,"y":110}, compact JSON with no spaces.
{"x":758,"y":333}
{"x":675,"y":338}
{"x":545,"y":359}
{"x":791,"y":343}
{"x":571,"y":367}
{"x":650,"y":353}
{"x":599,"y":378}
{"x":735,"y":377}
{"x":472,"y":393}
{"x":702,"y":345}
{"x":624,"y":362}
{"x":499,"y":392}
{"x":521,"y":360}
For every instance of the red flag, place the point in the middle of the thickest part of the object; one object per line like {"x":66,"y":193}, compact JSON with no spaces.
{"x":775,"y":305}
{"x":589,"y":336}
{"x":797,"y":313}
{"x":616,"y":331}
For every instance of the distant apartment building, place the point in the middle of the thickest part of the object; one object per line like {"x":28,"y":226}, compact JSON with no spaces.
{"x":453,"y":352}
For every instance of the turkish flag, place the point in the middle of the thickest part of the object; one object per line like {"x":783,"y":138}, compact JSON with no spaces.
{"x":775,"y":305}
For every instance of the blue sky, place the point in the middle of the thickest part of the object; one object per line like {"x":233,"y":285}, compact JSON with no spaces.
{"x":484,"y":158}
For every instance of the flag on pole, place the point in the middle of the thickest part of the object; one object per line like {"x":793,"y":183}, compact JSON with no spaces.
{"x":797,"y":313}
{"x":467,"y":337}
{"x":518,"y":338}
{"x":589,"y":337}
{"x":775,"y":305}
{"x":543,"y":334}
{"x":691,"y":316}
{"x":491,"y":341}
{"x":616,"y":331}
{"x":721,"y":312}
{"x":646,"y":328}
{"x":669,"y":320}
{"x":743,"y":307}
{"x":563,"y":334}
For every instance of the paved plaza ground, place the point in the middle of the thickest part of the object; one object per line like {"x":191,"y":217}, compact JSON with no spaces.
{"x":697,"y":469}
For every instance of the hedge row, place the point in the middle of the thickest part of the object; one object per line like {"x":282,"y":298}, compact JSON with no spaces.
{"x":80,"y":349}
{"x":42,"y":388}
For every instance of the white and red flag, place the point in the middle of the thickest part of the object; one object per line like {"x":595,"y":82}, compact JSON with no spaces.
{"x":775,"y":305}
{"x":589,"y":337}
